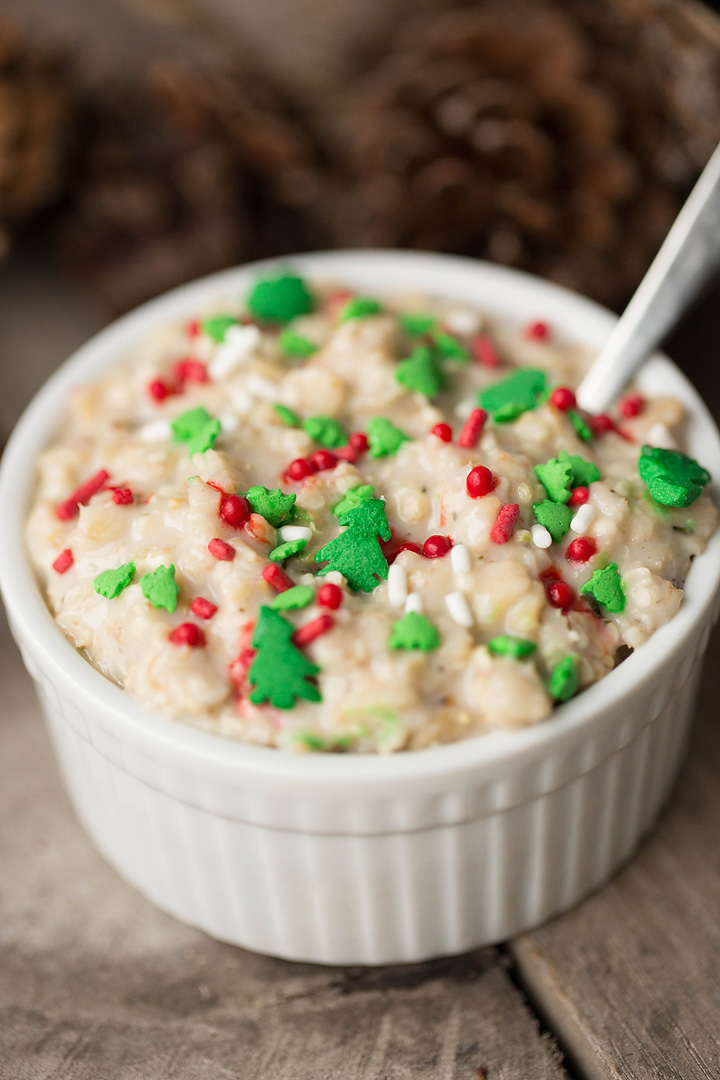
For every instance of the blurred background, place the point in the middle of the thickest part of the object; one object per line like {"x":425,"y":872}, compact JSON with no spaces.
{"x":146,"y":142}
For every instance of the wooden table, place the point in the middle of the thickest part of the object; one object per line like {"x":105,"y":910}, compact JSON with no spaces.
{"x":95,"y":984}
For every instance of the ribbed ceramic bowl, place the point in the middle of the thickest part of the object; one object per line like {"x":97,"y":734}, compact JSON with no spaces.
{"x":361,"y":859}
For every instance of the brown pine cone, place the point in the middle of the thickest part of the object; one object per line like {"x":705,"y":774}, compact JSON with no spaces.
{"x":35,"y":107}
{"x":204,"y":168}
{"x":560,"y":137}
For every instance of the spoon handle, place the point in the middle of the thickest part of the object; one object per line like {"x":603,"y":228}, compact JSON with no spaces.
{"x":687,"y":258}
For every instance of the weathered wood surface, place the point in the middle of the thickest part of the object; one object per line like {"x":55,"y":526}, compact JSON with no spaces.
{"x":97,"y":985}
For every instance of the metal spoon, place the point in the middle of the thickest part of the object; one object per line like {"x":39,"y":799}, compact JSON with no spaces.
{"x":687,"y":258}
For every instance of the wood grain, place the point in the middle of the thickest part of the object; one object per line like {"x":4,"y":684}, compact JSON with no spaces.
{"x":630,"y":980}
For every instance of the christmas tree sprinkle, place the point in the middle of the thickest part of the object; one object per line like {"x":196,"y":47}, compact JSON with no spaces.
{"x":279,"y":673}
{"x":356,"y":552}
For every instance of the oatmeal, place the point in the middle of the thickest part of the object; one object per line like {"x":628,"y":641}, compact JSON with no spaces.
{"x":322,"y":521}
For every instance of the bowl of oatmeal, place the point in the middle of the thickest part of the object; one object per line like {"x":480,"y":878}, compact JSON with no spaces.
{"x":358,"y":640}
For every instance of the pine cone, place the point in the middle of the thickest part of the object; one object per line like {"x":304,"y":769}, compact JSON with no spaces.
{"x":205,"y":169}
{"x":560,"y":137}
{"x":35,"y":109}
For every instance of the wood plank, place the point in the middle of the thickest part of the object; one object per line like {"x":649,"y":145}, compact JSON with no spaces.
{"x":630,"y":980}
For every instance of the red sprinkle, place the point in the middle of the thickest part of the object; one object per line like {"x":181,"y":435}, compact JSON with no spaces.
{"x":563,"y":398}
{"x":235,"y":511}
{"x":159,"y":390}
{"x":632,"y":405}
{"x":484,"y":351}
{"x":330,"y":596}
{"x":410,"y":545}
{"x":505,"y":523}
{"x":347,"y":453}
{"x":473,"y":429}
{"x":84,"y":493}
{"x":277,"y":578}
{"x":298,"y":469}
{"x":443,"y":432}
{"x":204,"y":609}
{"x":578,"y":496}
{"x":189,"y":370}
{"x":560,"y":595}
{"x":435,"y":547}
{"x":188,"y":633}
{"x":193,"y":328}
{"x":581,"y":550}
{"x":64,"y":561}
{"x":537,"y":331}
{"x":321,"y":460}
{"x":359,"y":442}
{"x":220,"y":550}
{"x":602,"y":423}
{"x":122,"y":496}
{"x":479,"y":481}
{"x":307,"y":633}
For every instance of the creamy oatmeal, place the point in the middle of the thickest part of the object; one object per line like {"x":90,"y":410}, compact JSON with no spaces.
{"x":321,"y":521}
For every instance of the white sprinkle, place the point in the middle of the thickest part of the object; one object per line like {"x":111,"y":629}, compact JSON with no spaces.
{"x":540,"y":536}
{"x":238,"y":346}
{"x":462,"y":321}
{"x":660,"y":435}
{"x":460,"y":559}
{"x":414,"y":603}
{"x":583,"y":519}
{"x":262,"y":388}
{"x":397,"y":585}
{"x":334,"y":578}
{"x":459,"y":609}
{"x":243,"y":403}
{"x":229,"y":421}
{"x":294,"y":532}
{"x":155,"y":431}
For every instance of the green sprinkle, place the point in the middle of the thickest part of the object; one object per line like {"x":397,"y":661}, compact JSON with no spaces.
{"x":672,"y":478}
{"x":294,"y":599}
{"x":417,"y":322}
{"x":421,"y":372}
{"x":197,"y":428}
{"x":509,"y":645}
{"x":556,"y":477}
{"x":384,"y":438}
{"x":287,"y":550}
{"x":356,"y":552}
{"x":326,"y":431}
{"x":287,"y":415}
{"x":584,"y":473}
{"x":160,"y":588}
{"x":606,"y":587}
{"x":279,"y":298}
{"x":310,"y":741}
{"x":272,"y":504}
{"x":352,"y":498}
{"x":581,"y":428}
{"x":563,"y":682}
{"x":217,"y":326}
{"x":556,"y":517}
{"x":522,"y":390}
{"x":280,"y":673}
{"x":414,"y":631}
{"x":450,"y":348}
{"x":112,"y":582}
{"x":360,"y":307}
{"x":293,"y":344}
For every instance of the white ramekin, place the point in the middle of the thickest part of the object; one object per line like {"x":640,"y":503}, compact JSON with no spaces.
{"x":352,"y":859}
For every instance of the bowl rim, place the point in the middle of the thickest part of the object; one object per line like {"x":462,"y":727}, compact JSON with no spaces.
{"x":501,"y":292}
